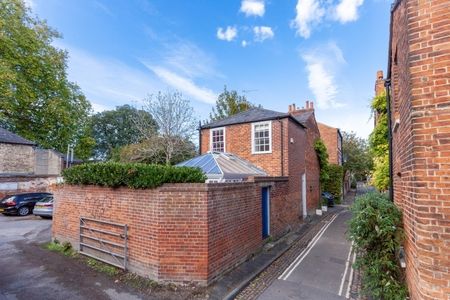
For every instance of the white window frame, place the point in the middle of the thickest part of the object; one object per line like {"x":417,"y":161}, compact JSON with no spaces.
{"x":270,"y":137}
{"x":211,"y":138}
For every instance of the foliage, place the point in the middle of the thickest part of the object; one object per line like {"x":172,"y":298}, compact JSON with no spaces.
{"x":379,"y":145}
{"x":375,"y":229}
{"x":151,"y":151}
{"x":229,"y":103}
{"x":65,"y":248}
{"x":358,"y":160}
{"x":136,"y":176}
{"x":122,"y":126}
{"x":334,"y":183}
{"x":37,"y":101}
{"x":102,"y":267}
{"x":175,"y":119}
{"x":322,"y":155}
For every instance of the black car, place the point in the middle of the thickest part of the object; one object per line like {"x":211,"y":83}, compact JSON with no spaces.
{"x":21,"y":204}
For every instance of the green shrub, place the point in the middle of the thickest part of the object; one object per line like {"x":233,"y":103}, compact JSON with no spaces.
{"x":334,"y":182}
{"x":322,"y":155}
{"x":137,"y":176}
{"x":375,"y":229}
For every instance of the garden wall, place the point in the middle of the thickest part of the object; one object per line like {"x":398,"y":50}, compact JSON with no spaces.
{"x":179,"y":232}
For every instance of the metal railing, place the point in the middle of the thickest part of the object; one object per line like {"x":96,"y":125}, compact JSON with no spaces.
{"x":108,"y":246}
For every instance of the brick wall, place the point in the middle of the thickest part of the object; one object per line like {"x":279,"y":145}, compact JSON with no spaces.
{"x":330,"y":137}
{"x":16,"y":159}
{"x":420,"y":68}
{"x":180,"y":232}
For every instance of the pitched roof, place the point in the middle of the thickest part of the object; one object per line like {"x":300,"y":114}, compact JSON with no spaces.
{"x":252,"y":115}
{"x":304,"y":116}
{"x":7,"y":137}
{"x":223,"y":166}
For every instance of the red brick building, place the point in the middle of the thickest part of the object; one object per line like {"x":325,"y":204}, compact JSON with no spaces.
{"x":332,"y":138}
{"x":419,"y":91}
{"x":282,"y":144}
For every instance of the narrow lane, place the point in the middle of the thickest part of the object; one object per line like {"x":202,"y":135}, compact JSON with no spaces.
{"x":322,"y":270}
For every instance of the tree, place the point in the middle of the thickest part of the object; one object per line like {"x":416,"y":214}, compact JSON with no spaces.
{"x":358,"y":160}
{"x":379,"y":144}
{"x":151,"y":151}
{"x":37,"y":101}
{"x":122,"y":126}
{"x":175,"y":119}
{"x":322,"y":155}
{"x":229,"y":103}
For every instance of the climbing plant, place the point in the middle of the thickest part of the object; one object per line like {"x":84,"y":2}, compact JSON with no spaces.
{"x":322,"y":155}
{"x":378,"y":143}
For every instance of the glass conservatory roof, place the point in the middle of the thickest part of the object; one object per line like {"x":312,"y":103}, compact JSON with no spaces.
{"x":218,"y":165}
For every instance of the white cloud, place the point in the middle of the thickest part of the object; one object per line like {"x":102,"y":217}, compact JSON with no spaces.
{"x":309,"y":13}
{"x":228,"y":34}
{"x":108,"y":82}
{"x":321,"y":66}
{"x":263,"y":33}
{"x":244,"y":43}
{"x":185,"y":85}
{"x":103,"y":8}
{"x":347,"y":10}
{"x":187,"y":58}
{"x":253,"y":7}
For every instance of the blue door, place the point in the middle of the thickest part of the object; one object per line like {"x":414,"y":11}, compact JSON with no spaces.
{"x":265,"y":204}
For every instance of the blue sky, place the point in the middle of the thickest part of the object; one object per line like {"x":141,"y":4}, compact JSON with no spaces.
{"x":276,"y":52}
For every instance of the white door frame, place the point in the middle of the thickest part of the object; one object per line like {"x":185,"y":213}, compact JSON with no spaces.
{"x":304,"y":210}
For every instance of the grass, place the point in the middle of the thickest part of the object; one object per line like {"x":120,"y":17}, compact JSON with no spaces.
{"x":65,"y":248}
{"x":102,"y":267}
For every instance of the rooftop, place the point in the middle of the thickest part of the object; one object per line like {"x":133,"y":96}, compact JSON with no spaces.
{"x":7,"y":137}
{"x":252,"y":115}
{"x":223,"y":166}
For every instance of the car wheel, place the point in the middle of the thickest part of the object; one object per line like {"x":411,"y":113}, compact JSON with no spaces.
{"x":23,"y":211}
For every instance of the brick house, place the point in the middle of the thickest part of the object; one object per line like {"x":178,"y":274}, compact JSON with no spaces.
{"x":281,"y":144}
{"x":418,"y":89}
{"x":332,"y":138}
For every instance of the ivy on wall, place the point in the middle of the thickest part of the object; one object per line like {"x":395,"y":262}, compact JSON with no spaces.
{"x":379,"y":145}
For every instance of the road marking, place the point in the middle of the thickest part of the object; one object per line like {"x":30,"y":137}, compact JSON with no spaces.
{"x":350,"y":279}
{"x":285,"y":275}
{"x":345,"y":271}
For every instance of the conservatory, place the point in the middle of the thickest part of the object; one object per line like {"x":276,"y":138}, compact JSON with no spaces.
{"x":223,"y":167}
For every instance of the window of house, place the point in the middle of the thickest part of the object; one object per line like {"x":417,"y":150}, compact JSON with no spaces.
{"x":262,"y":137}
{"x":218,"y":139}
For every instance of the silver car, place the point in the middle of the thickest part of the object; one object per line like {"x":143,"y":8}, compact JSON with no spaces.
{"x":44,"y":208}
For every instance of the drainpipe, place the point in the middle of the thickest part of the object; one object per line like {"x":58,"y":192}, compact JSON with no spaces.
{"x":282,"y":147}
{"x":387,"y":84}
{"x":199,"y":137}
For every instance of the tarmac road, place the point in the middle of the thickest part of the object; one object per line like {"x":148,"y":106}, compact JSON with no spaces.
{"x":322,"y":271}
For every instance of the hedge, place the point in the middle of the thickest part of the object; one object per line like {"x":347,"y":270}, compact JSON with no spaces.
{"x":377,"y":234}
{"x":132,"y":175}
{"x":334,"y":182}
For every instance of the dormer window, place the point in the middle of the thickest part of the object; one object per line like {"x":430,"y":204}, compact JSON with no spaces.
{"x":218,"y":139}
{"x":262,"y":137}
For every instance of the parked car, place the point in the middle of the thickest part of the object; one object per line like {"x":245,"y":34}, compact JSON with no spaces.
{"x":21,"y":204}
{"x":329,"y":198}
{"x":44,"y":208}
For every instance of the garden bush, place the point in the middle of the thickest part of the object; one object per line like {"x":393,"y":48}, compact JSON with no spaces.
{"x":135,"y":175}
{"x":375,"y":229}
